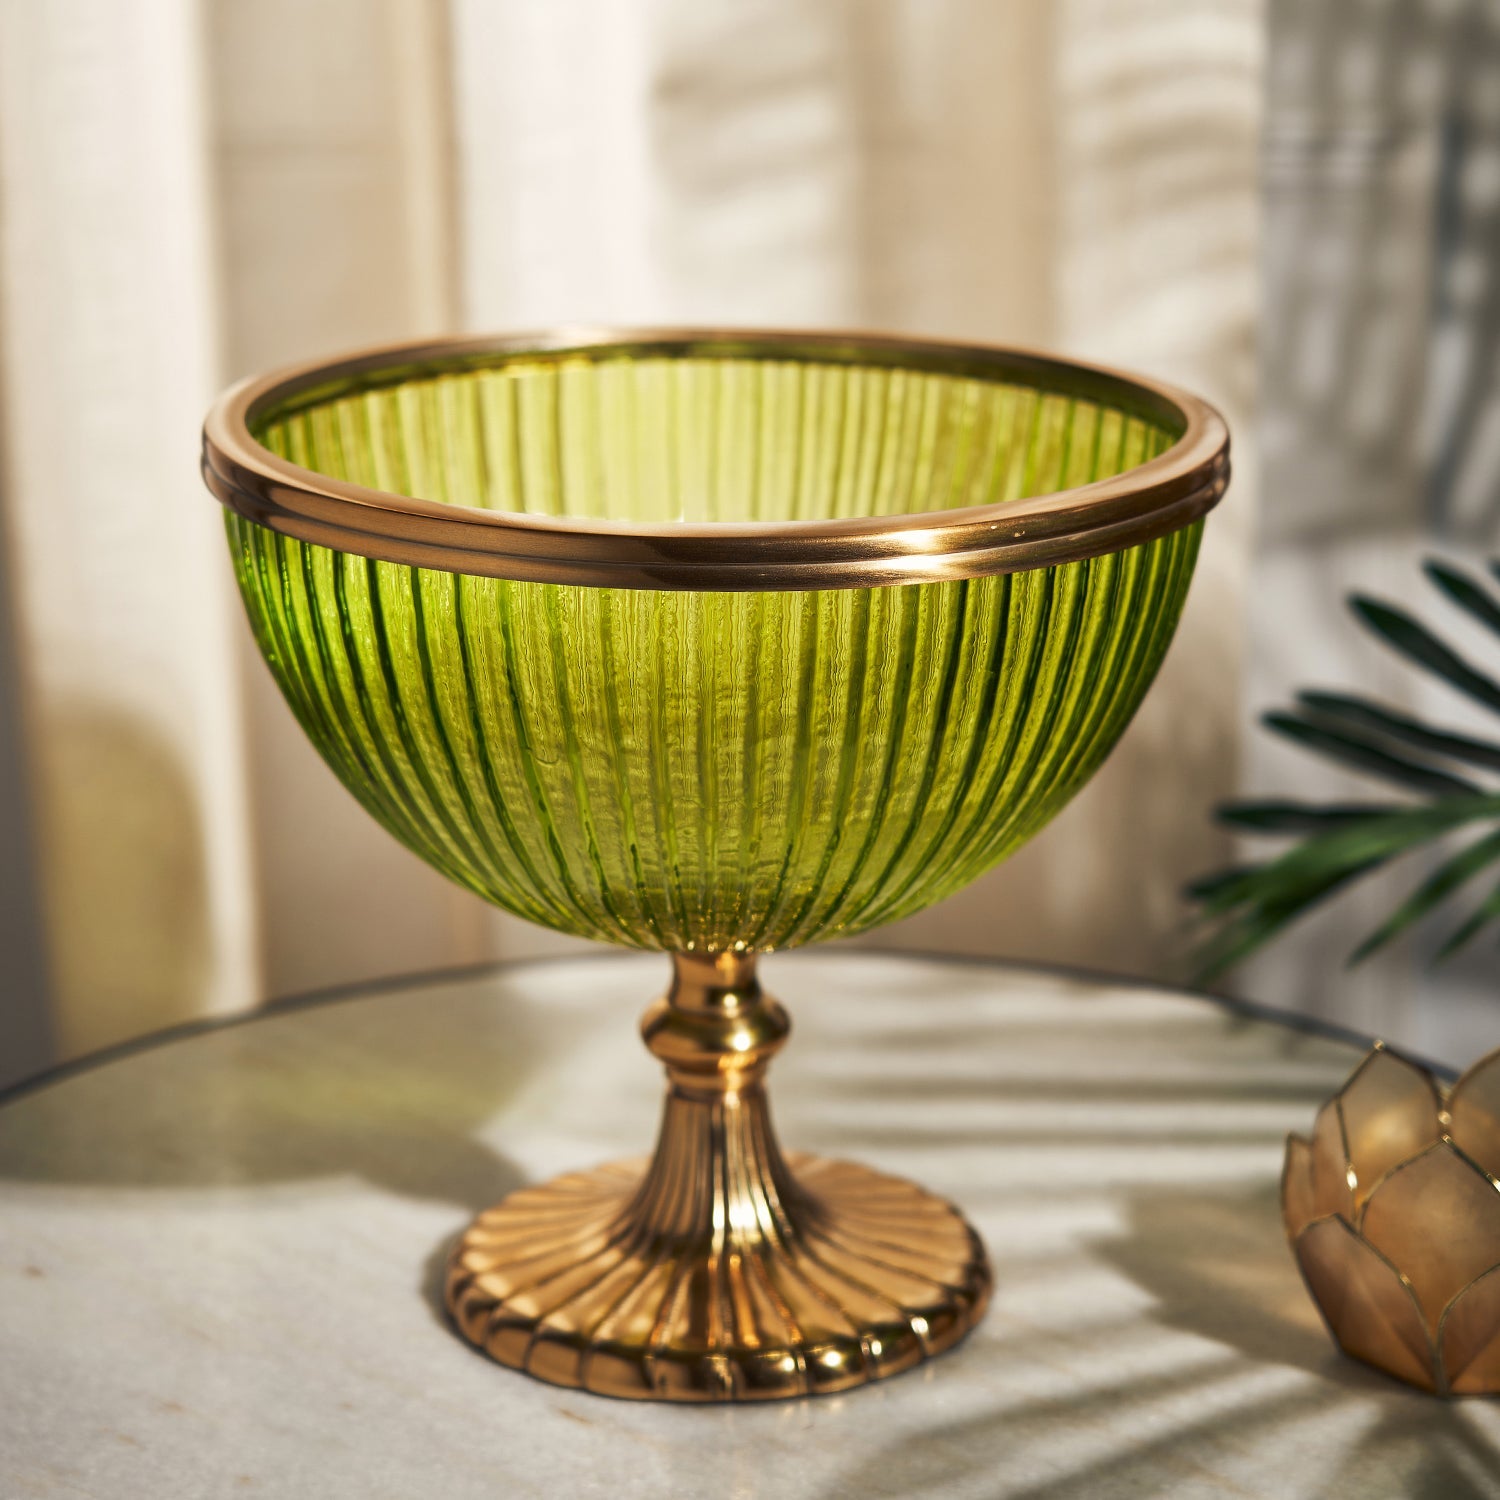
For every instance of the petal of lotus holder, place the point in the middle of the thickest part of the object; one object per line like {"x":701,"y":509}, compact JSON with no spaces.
{"x":1392,"y":1207}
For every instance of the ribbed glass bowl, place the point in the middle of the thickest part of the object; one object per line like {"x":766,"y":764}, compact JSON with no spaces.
{"x":694,"y":770}
{"x":715,"y":643}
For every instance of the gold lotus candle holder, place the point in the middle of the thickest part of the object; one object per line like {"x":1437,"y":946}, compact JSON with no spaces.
{"x":1392,"y":1207}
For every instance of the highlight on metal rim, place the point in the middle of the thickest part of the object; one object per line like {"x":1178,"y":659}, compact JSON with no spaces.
{"x":1150,"y":500}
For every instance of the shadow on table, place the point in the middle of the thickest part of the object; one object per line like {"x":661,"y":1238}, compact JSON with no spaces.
{"x":349,"y":1089}
{"x":1179,"y":1130}
{"x":1215,"y":1266}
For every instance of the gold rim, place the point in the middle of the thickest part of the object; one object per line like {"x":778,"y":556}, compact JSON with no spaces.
{"x":1144,"y":503}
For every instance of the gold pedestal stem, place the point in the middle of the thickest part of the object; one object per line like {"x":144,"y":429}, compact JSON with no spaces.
{"x":718,"y":1180}
{"x":724,"y":1271}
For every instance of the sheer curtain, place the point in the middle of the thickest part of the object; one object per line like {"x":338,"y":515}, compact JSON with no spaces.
{"x":127,"y":692}
{"x":192,"y":191}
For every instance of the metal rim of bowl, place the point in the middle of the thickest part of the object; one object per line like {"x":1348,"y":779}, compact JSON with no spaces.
{"x":1139,"y":505}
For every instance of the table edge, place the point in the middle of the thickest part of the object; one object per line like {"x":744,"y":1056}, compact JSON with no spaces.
{"x":1254,"y":1010}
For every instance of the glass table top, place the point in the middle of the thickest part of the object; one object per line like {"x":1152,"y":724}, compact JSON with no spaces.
{"x":219,"y":1254}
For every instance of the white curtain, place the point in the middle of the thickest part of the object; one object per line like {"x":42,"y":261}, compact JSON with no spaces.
{"x":140,"y":847}
{"x":193,"y":191}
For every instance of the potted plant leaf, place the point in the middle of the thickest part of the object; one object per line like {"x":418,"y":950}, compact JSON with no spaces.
{"x":1441,"y":790}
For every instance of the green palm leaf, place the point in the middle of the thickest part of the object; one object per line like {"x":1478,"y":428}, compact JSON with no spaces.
{"x":1297,"y":817}
{"x":1260,"y":920}
{"x":1256,"y":902}
{"x":1461,"y":868}
{"x":1224,"y":889}
{"x":1465,"y":593}
{"x":1418,"y":644}
{"x":1247,"y":905}
{"x":1361,"y":714}
{"x":1362,"y":754}
{"x":1482,"y":915}
{"x":1382,"y":835}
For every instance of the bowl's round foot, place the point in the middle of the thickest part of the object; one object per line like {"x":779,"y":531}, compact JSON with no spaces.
{"x":862,"y":1277}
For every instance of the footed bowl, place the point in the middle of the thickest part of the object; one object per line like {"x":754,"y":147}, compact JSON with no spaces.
{"x":714,"y":643}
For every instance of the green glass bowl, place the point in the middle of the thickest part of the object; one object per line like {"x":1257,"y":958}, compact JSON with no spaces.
{"x":796,"y":746}
{"x":715,"y":643}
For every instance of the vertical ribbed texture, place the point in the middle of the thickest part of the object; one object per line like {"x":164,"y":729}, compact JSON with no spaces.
{"x":706,"y":771}
{"x":648,"y":438}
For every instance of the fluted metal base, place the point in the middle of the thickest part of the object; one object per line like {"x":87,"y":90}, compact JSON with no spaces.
{"x":721,"y":1270}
